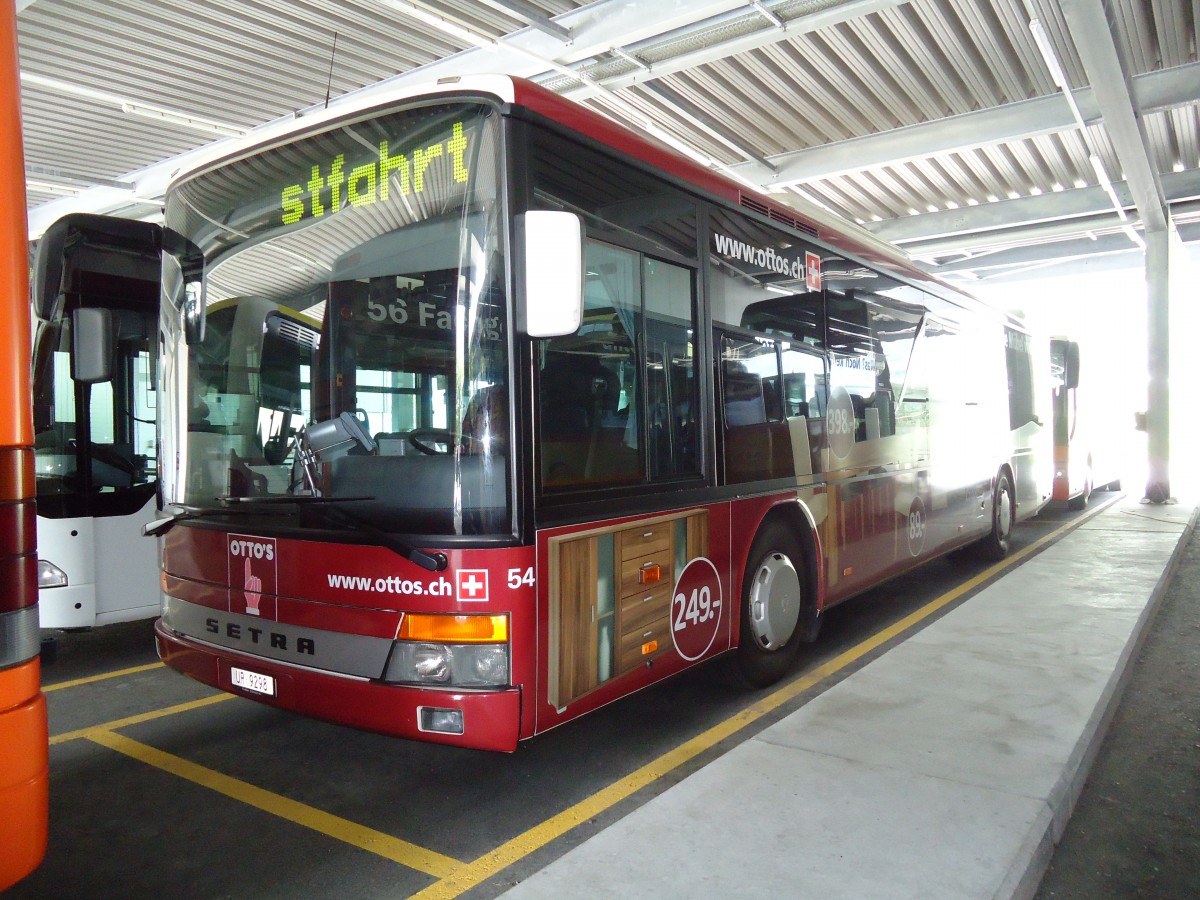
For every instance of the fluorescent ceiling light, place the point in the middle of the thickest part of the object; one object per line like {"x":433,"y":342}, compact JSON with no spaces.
{"x":49,"y":187}
{"x":1048,"y":55}
{"x":133,"y":107}
{"x":184,"y":120}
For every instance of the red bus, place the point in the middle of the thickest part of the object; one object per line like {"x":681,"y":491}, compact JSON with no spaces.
{"x":480,"y":412}
{"x":24,"y":741}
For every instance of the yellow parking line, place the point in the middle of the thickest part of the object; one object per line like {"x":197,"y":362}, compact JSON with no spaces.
{"x":47,"y":688}
{"x":139,"y":718}
{"x":540,"y":835}
{"x":356,"y":835}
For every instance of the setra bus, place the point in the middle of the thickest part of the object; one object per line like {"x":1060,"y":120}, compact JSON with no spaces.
{"x":95,"y":444}
{"x":521,"y":412}
{"x":24,"y":737}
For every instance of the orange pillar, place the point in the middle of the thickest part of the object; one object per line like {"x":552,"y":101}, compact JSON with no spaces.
{"x":24,"y":749}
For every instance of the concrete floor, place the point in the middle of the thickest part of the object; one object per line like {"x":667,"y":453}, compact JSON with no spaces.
{"x":948,"y":767}
{"x":1135,"y":831}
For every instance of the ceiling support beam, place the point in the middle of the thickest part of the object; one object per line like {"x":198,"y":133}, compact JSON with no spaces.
{"x":1087,"y":22}
{"x":833,"y":13}
{"x":975,"y":221}
{"x":1009,"y":262}
{"x":534,"y":17}
{"x":1014,"y":121}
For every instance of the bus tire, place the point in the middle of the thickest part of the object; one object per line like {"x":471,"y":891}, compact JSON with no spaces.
{"x":775,"y":616}
{"x":1004,"y":516}
{"x":1080,"y":501}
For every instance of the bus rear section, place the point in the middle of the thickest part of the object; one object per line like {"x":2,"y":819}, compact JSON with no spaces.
{"x":96,"y":290}
{"x":1088,"y":442}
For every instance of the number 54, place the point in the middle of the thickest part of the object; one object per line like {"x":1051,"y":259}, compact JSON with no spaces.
{"x":516,"y":578}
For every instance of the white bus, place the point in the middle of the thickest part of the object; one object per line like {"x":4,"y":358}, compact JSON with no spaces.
{"x":94,"y":409}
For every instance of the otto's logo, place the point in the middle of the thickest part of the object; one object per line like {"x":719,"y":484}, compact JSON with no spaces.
{"x":252,"y":549}
{"x":253,"y":578}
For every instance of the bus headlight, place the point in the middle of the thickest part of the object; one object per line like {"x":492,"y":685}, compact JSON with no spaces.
{"x":450,"y":665}
{"x":50,"y":575}
{"x":450,"y":650}
{"x":430,"y":662}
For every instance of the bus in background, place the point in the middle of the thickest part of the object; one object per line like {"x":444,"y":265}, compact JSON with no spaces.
{"x":569,"y":415}
{"x":1086,"y":458}
{"x":94,"y":409}
{"x":24,"y":737}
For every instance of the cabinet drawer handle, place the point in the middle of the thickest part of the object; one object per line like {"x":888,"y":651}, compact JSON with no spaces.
{"x":651,"y":573}
{"x":648,"y":534}
{"x":648,"y":634}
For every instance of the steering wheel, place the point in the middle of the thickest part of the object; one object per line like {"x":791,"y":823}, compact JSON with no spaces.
{"x":435,"y":436}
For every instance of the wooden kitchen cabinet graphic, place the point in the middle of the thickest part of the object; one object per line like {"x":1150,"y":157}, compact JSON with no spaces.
{"x":610,"y":597}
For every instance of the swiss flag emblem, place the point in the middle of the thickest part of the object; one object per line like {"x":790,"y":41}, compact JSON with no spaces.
{"x":471,"y":585}
{"x":812,"y":271}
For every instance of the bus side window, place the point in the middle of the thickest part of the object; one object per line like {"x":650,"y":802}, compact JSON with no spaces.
{"x":744,"y":404}
{"x":587,"y":386}
{"x":757,"y":443}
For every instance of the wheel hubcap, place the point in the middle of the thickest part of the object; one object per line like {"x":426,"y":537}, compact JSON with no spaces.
{"x":1004,"y":511}
{"x":774,"y":602}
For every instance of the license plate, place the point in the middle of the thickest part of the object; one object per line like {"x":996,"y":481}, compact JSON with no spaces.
{"x":252,"y":681}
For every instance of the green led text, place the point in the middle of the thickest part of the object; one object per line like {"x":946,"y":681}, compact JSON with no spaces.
{"x":370,"y":182}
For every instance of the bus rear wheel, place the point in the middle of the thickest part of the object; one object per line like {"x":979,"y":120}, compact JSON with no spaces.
{"x":775,"y":616}
{"x":1077,"y":503}
{"x":1004,"y":515}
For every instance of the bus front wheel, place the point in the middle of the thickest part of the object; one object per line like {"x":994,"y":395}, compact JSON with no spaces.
{"x":775,"y":616}
{"x":1004,"y":515}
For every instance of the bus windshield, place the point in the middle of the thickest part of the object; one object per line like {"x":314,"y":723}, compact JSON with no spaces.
{"x":355,"y":342}
{"x":94,"y":443}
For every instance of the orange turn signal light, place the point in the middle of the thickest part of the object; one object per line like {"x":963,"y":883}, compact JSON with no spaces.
{"x":651,"y":573}
{"x":445,"y":629}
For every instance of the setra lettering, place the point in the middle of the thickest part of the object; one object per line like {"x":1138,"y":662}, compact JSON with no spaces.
{"x":276,"y":640}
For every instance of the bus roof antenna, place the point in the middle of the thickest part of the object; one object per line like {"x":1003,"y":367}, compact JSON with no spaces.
{"x":329,"y":81}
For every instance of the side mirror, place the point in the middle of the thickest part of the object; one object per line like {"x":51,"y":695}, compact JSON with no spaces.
{"x":91,"y":345}
{"x":553,"y":273}
{"x":183,"y":283}
{"x":1071,"y":365}
{"x":193,"y":313}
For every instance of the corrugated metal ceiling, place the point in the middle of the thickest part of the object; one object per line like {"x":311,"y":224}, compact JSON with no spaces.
{"x":936,"y":123}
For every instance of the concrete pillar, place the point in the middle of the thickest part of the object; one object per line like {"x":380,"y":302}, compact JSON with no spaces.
{"x":1158,"y":419}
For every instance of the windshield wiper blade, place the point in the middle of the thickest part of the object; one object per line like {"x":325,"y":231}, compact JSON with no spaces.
{"x":165,"y":524}
{"x":234,"y":505}
{"x":434,"y":562}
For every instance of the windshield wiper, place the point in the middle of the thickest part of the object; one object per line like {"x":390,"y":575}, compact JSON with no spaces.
{"x":228,"y":505}
{"x":434,"y":562}
{"x":323,"y":507}
{"x":165,"y":524}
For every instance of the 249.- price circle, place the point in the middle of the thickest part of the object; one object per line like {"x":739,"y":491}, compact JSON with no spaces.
{"x":696,"y":609}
